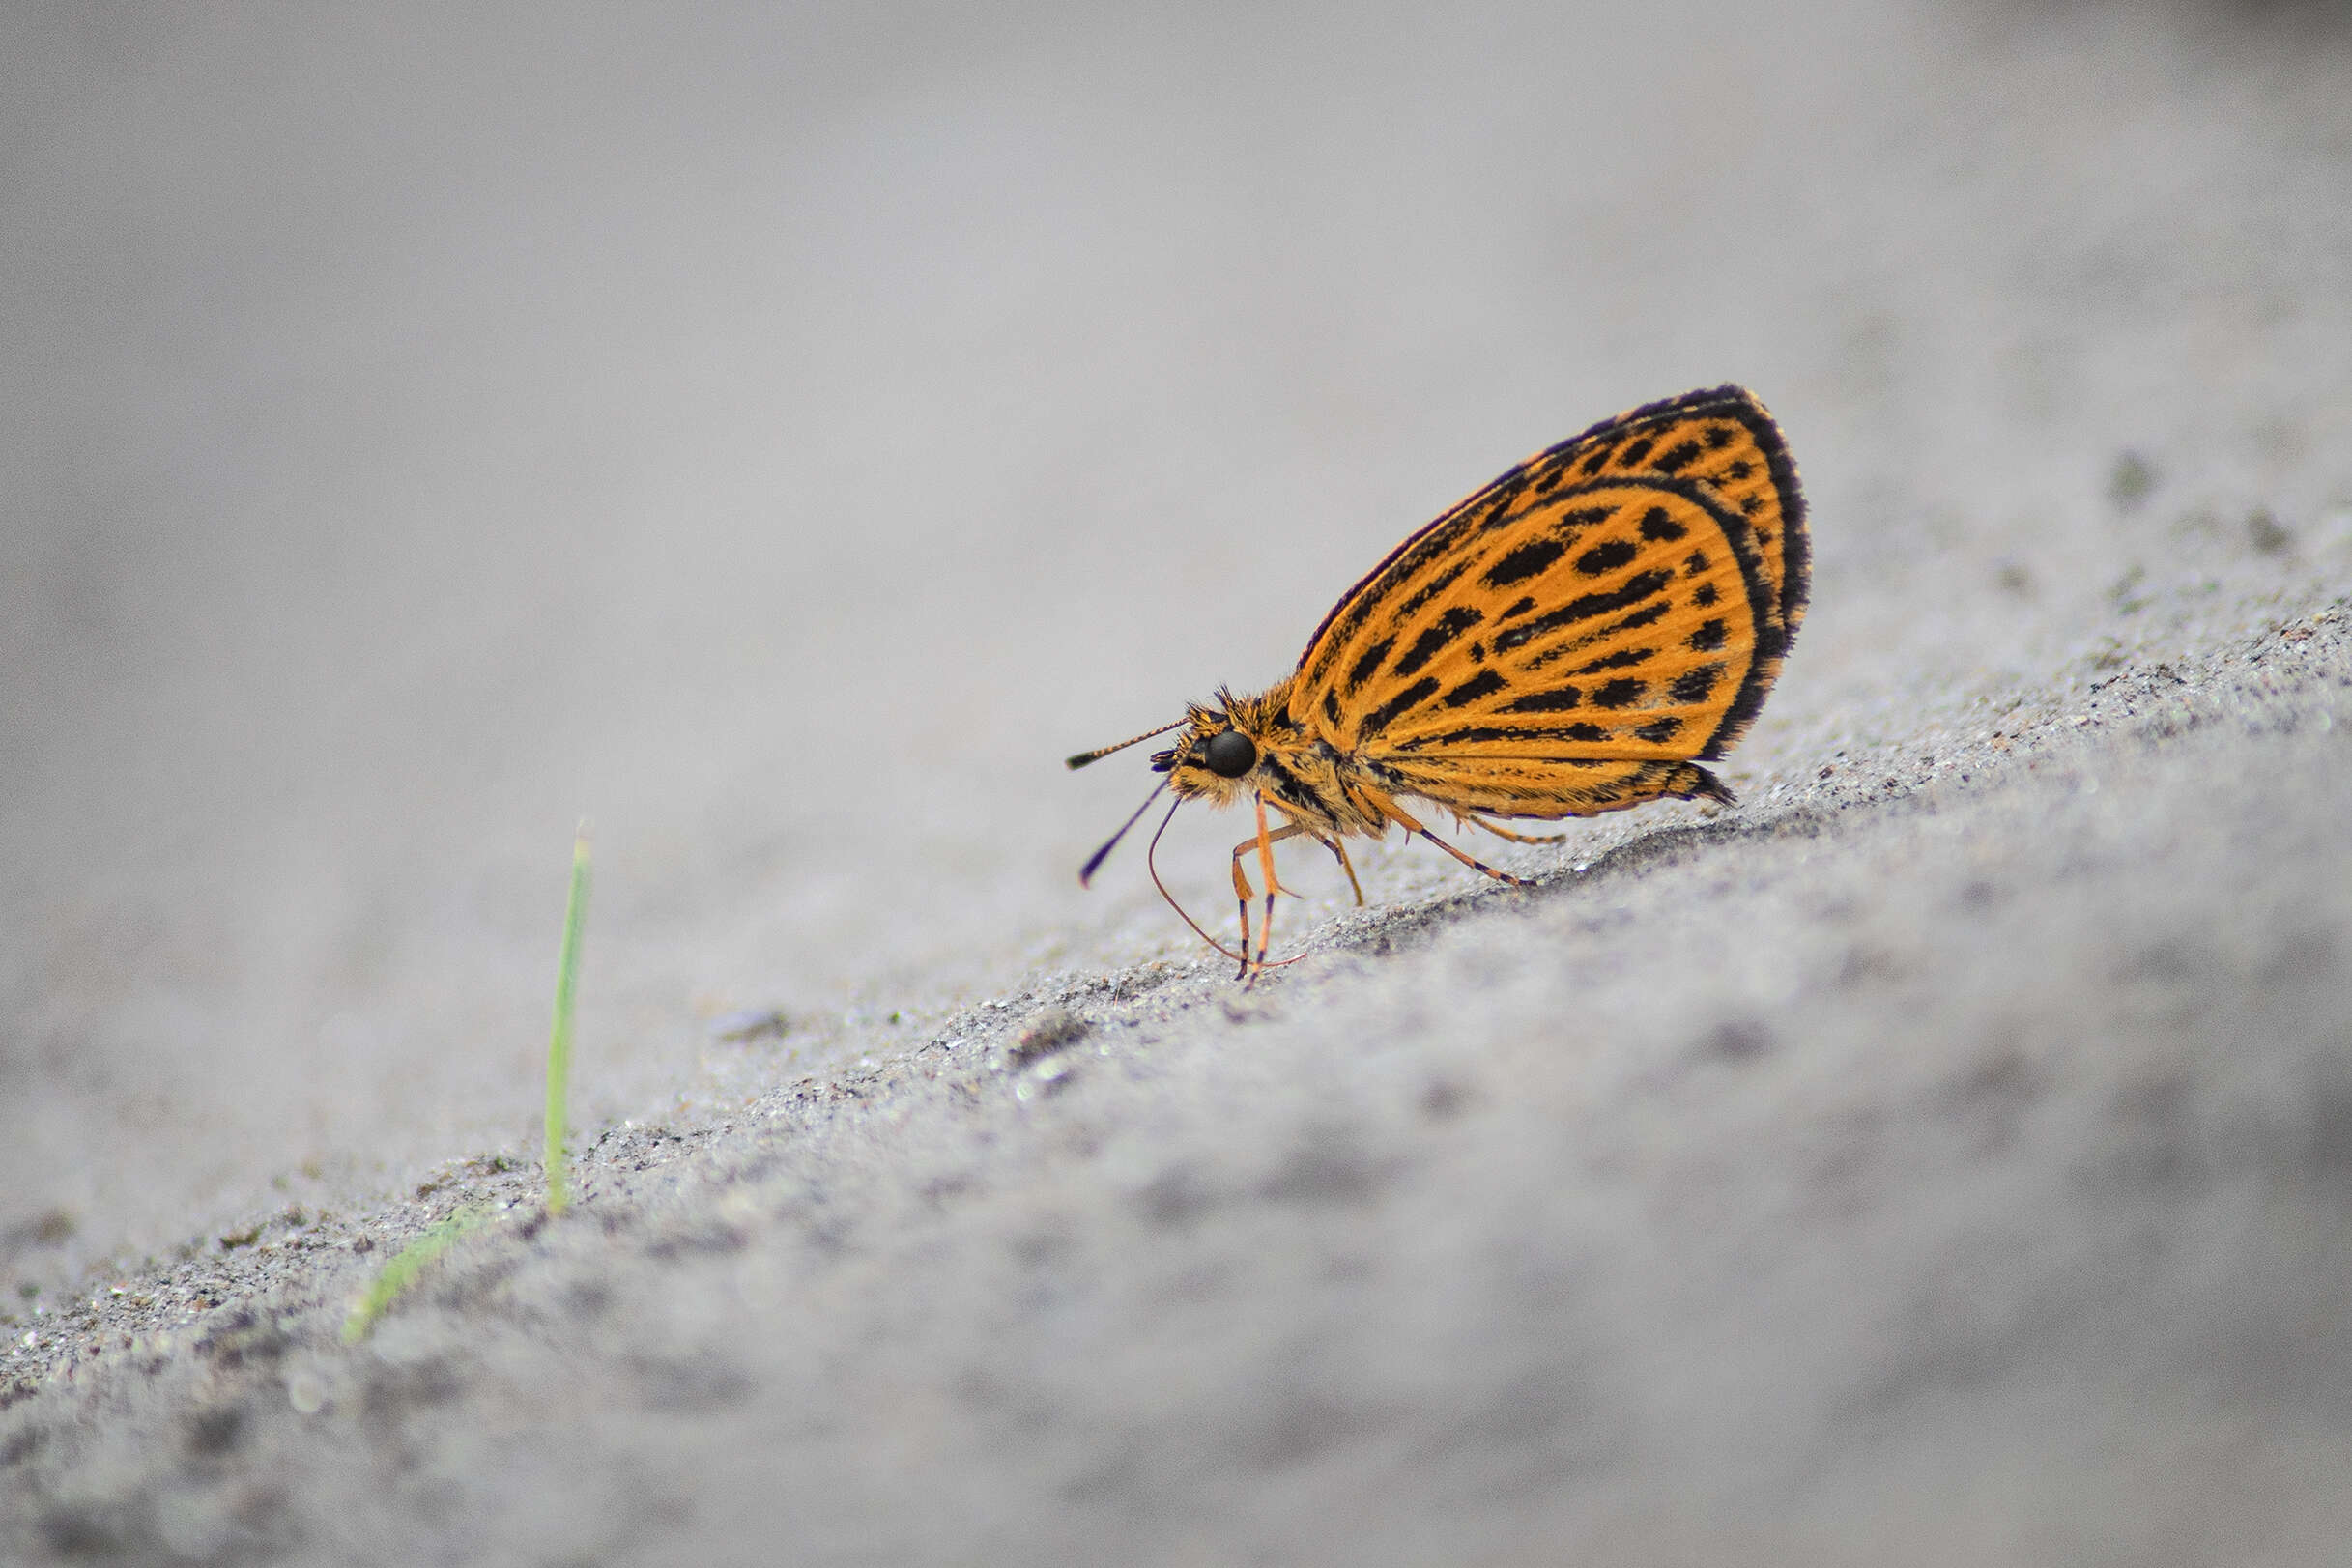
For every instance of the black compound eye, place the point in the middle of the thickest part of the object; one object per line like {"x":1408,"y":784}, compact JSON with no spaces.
{"x":1231,"y":754}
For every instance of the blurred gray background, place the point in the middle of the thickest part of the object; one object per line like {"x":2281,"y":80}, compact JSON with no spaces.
{"x":781,"y":434}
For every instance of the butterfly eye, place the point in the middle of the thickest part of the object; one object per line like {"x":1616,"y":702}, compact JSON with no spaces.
{"x":1231,"y":754}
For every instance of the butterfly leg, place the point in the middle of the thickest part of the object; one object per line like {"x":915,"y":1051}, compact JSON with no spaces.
{"x":1263,"y":841}
{"x":1515,"y":838}
{"x":1412,"y":826}
{"x":1339,"y":852}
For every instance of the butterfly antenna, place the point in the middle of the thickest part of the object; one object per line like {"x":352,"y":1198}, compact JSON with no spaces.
{"x":1095,"y":860}
{"x":1095,"y":755}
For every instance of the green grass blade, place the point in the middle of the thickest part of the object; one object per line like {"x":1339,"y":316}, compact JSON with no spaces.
{"x":401,"y":1272}
{"x":560,"y":1040}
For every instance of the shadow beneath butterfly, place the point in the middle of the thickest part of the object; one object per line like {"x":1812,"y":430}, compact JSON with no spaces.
{"x":1678,"y":843}
{"x":1380,"y":933}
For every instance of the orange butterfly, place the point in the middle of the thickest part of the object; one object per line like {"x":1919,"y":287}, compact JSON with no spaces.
{"x":1575,"y":638}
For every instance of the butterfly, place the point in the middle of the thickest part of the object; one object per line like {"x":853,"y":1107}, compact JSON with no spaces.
{"x":1575,"y":638}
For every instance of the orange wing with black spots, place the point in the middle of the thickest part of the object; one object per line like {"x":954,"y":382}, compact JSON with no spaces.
{"x":1576,"y":635}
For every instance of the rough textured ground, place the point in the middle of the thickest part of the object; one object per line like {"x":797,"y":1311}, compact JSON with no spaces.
{"x":741,"y":433}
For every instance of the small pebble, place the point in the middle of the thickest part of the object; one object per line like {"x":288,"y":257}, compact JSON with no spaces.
{"x":1052,"y":1030}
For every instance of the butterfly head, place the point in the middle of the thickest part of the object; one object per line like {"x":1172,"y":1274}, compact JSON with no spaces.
{"x":1221,"y":757}
{"x":1217,"y":755}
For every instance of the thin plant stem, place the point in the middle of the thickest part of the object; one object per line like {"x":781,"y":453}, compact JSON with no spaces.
{"x":560,"y":1040}
{"x":402,"y":1271}
{"x":398,"y":1274}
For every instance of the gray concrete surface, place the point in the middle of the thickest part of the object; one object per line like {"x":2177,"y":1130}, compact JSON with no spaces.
{"x":781,"y":438}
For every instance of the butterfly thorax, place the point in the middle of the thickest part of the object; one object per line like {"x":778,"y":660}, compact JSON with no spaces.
{"x":1249,"y":745}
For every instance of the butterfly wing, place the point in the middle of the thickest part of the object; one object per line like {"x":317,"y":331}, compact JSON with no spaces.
{"x":1724,"y":439}
{"x":1570,"y":639}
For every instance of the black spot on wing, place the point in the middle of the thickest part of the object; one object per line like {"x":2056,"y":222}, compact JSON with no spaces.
{"x":1607,"y":556}
{"x":1586,"y":606}
{"x":1678,"y":457}
{"x":1559,"y":699}
{"x":1502,"y":499}
{"x":1622,"y":693}
{"x":1525,"y":734}
{"x":1436,"y":636}
{"x":1486,"y":683}
{"x":1641,"y":617}
{"x":1696,"y":685}
{"x":1658,"y":731}
{"x":1704,"y":595}
{"x":1361,"y":670}
{"x":1636,"y":451}
{"x":1711,"y":635}
{"x":1330,"y":706}
{"x":1467,"y":736}
{"x":1659,"y":526}
{"x":1520,"y":564}
{"x":1429,"y":590}
{"x":1651,"y":612}
{"x":1412,"y":696}
{"x":1621,"y":659}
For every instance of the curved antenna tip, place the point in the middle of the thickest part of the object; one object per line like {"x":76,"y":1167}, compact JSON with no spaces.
{"x":1095,"y":859}
{"x":1101,"y":752}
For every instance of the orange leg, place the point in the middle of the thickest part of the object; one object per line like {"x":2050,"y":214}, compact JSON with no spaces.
{"x":1515,"y":838}
{"x":1410,"y":826}
{"x":1263,"y":841}
{"x":1272,"y":887}
{"x":1339,"y":852}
